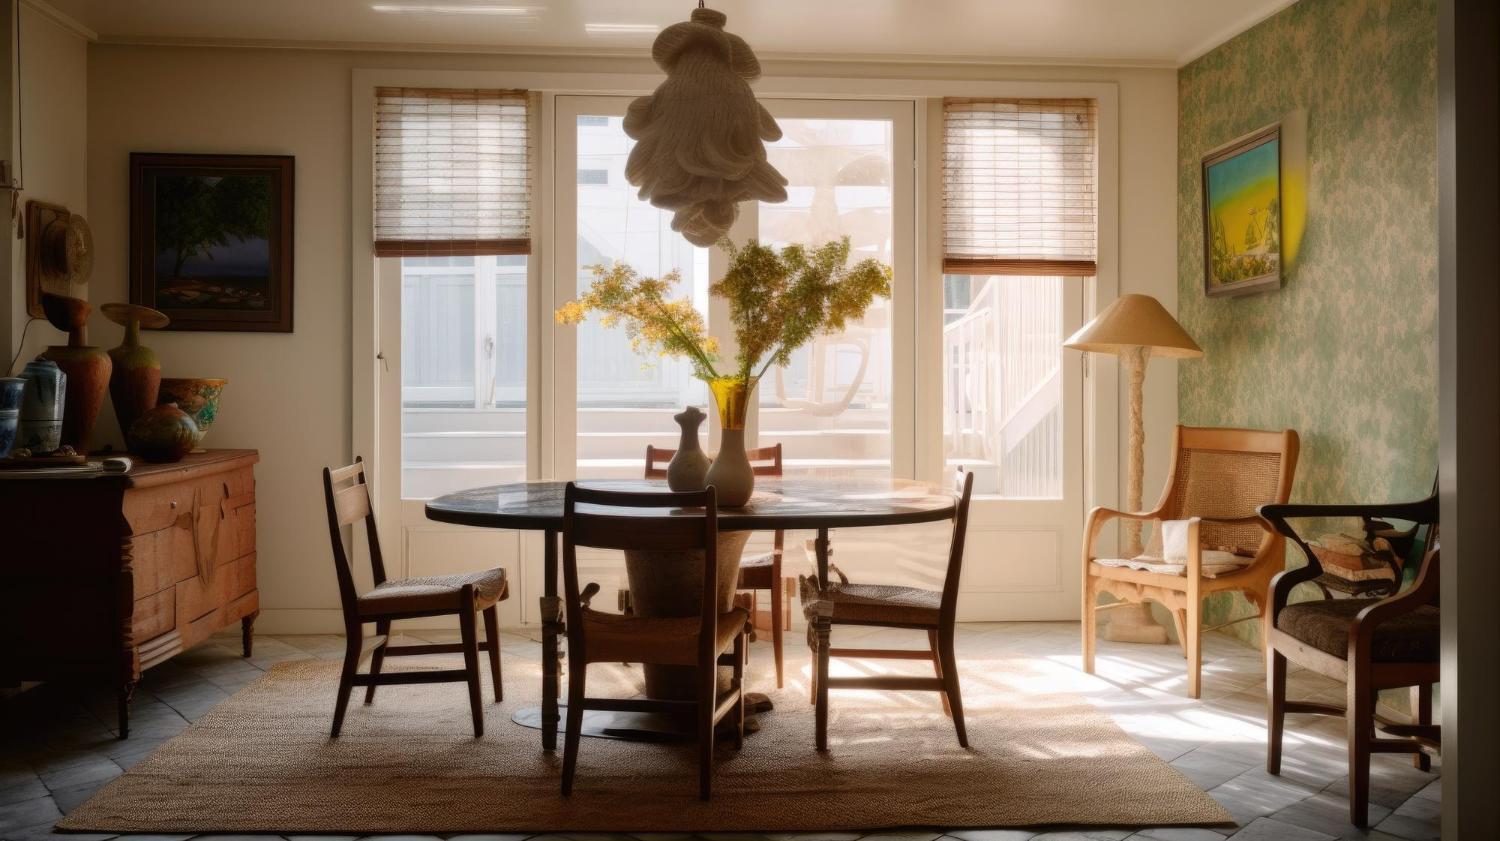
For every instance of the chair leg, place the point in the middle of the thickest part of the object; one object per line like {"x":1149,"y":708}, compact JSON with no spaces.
{"x":492,"y":641}
{"x":776,"y":635}
{"x":1090,"y":624}
{"x":471,"y":655}
{"x":1360,"y":713}
{"x":1421,"y":713}
{"x":382,"y":628}
{"x":573,"y":731}
{"x":1275,"y":709}
{"x":788,"y":593}
{"x":937,"y":669}
{"x":820,"y":695}
{"x":352,"y":645}
{"x":1192,"y":647}
{"x":1179,"y":618}
{"x":950,"y":680}
{"x":708,"y":683}
{"x":739,"y":688}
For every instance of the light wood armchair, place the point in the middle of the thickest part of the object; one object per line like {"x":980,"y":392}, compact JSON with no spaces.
{"x":1220,"y":476}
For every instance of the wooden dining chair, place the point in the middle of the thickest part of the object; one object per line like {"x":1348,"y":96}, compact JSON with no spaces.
{"x":700,"y":641}
{"x":827,"y":604}
{"x":463,"y":593}
{"x":1218,"y":478}
{"x":762,"y":571}
{"x":1370,"y":644}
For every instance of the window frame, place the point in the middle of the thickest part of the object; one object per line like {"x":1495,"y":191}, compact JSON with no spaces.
{"x":375,"y":352}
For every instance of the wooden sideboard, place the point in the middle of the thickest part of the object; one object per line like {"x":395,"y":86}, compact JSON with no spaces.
{"x":106,"y":576}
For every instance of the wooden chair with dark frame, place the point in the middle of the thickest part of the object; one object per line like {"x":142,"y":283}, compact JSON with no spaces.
{"x":1369,"y":643}
{"x":842,"y":603}
{"x":762,"y":571}
{"x":716,"y":636}
{"x":463,"y":594}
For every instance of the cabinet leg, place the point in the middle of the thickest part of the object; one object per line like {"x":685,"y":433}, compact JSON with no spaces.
{"x":247,"y":633}
{"x":123,"y":697}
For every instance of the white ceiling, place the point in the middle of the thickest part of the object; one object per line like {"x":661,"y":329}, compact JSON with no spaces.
{"x":1153,"y":32}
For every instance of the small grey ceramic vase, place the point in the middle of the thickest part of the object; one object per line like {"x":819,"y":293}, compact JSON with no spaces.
{"x":42,"y":407}
{"x":688,"y":467}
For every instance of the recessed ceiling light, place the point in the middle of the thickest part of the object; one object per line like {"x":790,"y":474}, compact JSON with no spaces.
{"x":501,"y":11}
{"x":621,"y":28}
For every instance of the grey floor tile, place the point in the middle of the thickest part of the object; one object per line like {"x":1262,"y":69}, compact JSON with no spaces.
{"x":1266,"y":829}
{"x":101,"y":769}
{"x":1208,"y":770}
{"x":1329,"y":815}
{"x":24,"y":790}
{"x":993,"y":834}
{"x":1248,"y":797}
{"x":1179,"y":833}
{"x":1418,"y":819}
{"x":27,"y":813}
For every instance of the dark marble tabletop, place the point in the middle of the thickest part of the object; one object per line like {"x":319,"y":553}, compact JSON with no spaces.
{"x":789,"y":503}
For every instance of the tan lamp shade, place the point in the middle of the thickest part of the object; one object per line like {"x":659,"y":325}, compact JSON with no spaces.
{"x":1135,"y":321}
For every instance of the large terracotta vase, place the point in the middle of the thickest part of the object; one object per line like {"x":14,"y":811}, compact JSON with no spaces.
{"x":731,"y":475}
{"x":137,"y":371}
{"x":87,"y":368}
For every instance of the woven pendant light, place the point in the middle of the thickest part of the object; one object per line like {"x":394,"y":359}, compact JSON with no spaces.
{"x":700,"y":138}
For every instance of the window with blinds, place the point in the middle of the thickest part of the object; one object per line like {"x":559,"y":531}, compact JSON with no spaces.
{"x":1019,"y":187}
{"x":452,"y":172}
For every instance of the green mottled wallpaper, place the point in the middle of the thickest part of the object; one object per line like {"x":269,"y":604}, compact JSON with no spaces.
{"x":1346,"y":352}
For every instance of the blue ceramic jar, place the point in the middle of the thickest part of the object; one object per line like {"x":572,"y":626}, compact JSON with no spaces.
{"x":41,"y":423}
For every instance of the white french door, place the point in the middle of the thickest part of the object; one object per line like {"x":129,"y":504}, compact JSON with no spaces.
{"x":471,"y":397}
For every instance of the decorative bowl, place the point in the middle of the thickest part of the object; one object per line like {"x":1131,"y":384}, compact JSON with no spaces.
{"x":196,"y":396}
{"x":162,"y":435}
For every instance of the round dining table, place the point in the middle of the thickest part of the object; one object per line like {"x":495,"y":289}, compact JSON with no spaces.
{"x":787,"y":503}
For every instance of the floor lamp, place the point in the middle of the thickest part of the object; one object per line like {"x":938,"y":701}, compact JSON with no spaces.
{"x":1135,"y":328}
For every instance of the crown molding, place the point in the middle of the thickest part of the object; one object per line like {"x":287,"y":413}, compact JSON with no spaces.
{"x":61,"y":18}
{"x":624,"y":52}
{"x":1233,"y":31}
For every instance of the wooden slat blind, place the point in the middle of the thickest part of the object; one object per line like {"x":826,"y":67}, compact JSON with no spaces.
{"x":452,"y":172}
{"x":1019,"y":187}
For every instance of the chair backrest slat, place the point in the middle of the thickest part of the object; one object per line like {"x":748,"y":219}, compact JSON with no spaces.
{"x":352,"y":503}
{"x":348,"y":505}
{"x":657,"y":459}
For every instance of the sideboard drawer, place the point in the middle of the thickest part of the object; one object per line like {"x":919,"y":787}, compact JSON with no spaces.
{"x":153,"y":508}
{"x":161,"y":559}
{"x":154,"y":615}
{"x":197,"y":596}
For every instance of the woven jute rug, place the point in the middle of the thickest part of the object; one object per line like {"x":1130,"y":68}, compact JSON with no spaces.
{"x":262,"y":761}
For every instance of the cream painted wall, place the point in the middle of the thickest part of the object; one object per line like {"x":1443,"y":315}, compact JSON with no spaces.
{"x":290,"y":395}
{"x":54,"y":127}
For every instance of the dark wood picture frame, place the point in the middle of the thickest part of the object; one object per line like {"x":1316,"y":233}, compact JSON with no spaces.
{"x":1233,"y":149}
{"x":145,"y":169}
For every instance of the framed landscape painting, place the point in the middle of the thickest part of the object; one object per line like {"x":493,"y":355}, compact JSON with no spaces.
{"x":1242,"y":215}
{"x":211,"y":240}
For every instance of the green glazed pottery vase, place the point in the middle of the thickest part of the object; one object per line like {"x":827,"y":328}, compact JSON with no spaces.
{"x":197,"y":396}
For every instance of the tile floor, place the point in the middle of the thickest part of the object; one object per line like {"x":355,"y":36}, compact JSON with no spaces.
{"x":57,"y":747}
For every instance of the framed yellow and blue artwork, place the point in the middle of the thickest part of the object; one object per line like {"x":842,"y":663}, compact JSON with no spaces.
{"x":1242,"y":209}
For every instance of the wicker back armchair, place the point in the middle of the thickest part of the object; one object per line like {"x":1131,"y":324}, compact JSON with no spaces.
{"x":1218,"y":479}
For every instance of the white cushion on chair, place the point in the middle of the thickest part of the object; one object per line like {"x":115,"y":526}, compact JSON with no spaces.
{"x":1167,"y":550}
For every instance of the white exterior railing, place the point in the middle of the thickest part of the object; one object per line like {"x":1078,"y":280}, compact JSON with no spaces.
{"x":1002,"y":407}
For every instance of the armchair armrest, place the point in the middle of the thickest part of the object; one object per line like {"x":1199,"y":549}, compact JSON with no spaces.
{"x":1276,"y":517}
{"x":1422,"y":592}
{"x":1098,"y":517}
